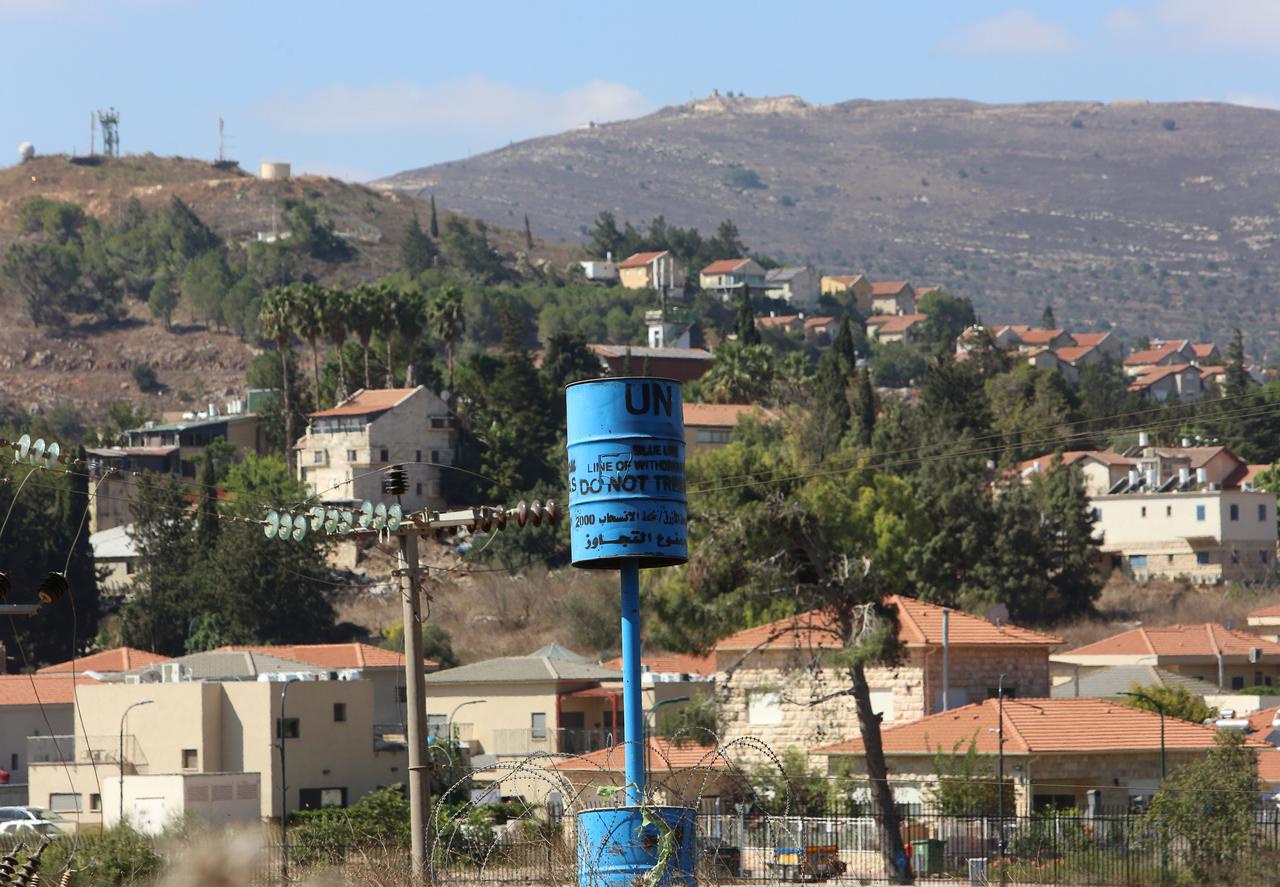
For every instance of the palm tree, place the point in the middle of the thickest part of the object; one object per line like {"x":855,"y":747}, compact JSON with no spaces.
{"x":335,"y":308}
{"x":405,"y":313}
{"x":306,"y":304}
{"x":448,"y":321}
{"x":276,"y":317}
{"x":365,"y":305}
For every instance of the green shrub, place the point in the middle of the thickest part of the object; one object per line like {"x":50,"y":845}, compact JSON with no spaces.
{"x":379,"y":820}
{"x":117,"y":856}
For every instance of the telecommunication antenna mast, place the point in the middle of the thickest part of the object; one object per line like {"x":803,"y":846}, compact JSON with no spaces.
{"x":110,"y":120}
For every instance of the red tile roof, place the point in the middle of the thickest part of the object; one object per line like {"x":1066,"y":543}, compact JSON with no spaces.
{"x":778,"y":320}
{"x":1155,"y":354}
{"x":1204,"y":349}
{"x":919,"y":625}
{"x":671,"y":663}
{"x":1072,"y":353}
{"x":1038,"y":336}
{"x":723,"y":415}
{"x":724,"y":266}
{"x":1071,"y":457}
{"x":1041,"y":726}
{"x":114,"y":660}
{"x":38,"y":689}
{"x":811,"y":322}
{"x":663,"y":755}
{"x":1089,"y":340}
{"x":352,"y":655}
{"x":1155,"y":374}
{"x":368,"y":400}
{"x":888,"y":287}
{"x":1260,"y":721}
{"x":895,"y":323}
{"x":639,"y":260}
{"x":1269,"y":766}
{"x":1272,"y":611}
{"x":1203,"y":641}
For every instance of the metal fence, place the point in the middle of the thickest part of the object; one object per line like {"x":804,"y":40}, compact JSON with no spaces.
{"x":1115,"y":850}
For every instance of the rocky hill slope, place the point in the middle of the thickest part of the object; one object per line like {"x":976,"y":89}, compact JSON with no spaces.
{"x":91,"y":366}
{"x":1163,"y":219}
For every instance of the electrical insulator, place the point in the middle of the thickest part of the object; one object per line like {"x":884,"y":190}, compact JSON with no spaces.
{"x":395,"y":482}
{"x":552,"y":511}
{"x":500,"y":519}
{"x":522,"y":514}
{"x":6,"y":585}
{"x":535,"y":513}
{"x":52,"y":588}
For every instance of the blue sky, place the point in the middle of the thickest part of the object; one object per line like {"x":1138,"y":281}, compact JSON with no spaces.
{"x":360,"y":90}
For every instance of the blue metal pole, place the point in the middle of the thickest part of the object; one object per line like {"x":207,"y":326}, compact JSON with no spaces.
{"x":632,"y":707}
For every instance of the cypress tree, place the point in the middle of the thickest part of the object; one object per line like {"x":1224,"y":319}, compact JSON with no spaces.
{"x":863,"y":407}
{"x":1047,"y":320}
{"x":207,"y":521}
{"x":831,"y":412}
{"x":746,"y":322}
{"x":417,"y":251}
{"x":435,"y":225}
{"x":528,"y":233}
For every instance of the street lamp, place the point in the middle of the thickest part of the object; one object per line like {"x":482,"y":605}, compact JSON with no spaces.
{"x":448,"y":725}
{"x":284,"y":788}
{"x":651,"y":714}
{"x":1160,"y":708}
{"x":122,"y":717}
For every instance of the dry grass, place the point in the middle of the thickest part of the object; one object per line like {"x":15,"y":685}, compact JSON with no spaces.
{"x":1125,"y":604}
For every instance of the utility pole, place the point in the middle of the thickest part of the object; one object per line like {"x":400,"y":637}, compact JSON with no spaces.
{"x":416,"y":704}
{"x":384,"y":523}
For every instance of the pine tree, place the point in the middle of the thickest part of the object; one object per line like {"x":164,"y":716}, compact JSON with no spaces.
{"x":1236,"y":379}
{"x":435,"y":225}
{"x":417,"y":251}
{"x":528,"y":233}
{"x":845,"y":344}
{"x":207,"y":519}
{"x":748,"y":333}
{"x":831,"y":412}
{"x":863,"y":407}
{"x":1047,"y":320}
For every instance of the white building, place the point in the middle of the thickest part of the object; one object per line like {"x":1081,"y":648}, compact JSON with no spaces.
{"x":797,"y":285}
{"x":341,"y":456}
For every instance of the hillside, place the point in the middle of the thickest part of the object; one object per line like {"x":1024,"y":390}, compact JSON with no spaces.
{"x":1163,"y":219}
{"x":91,"y":366}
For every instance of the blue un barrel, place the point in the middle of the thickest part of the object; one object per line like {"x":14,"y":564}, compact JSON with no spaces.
{"x":626,"y":473}
{"x":618,"y":848}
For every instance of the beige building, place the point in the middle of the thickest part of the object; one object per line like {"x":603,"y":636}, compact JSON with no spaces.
{"x":769,"y":676}
{"x":30,"y":705}
{"x":1056,"y":751}
{"x":855,"y":285}
{"x":730,"y":276}
{"x":797,"y":285}
{"x":886,"y":328}
{"x":1228,"y":659}
{"x":214,"y":727}
{"x":653,"y":271}
{"x":342,"y":454}
{"x":892,"y":297}
{"x":712,"y":425}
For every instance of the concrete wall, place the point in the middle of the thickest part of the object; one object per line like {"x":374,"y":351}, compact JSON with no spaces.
{"x":154,"y":801}
{"x":17,"y":722}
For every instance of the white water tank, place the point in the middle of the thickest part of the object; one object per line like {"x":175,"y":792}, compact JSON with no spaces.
{"x":26,"y":151}
{"x":274,"y":170}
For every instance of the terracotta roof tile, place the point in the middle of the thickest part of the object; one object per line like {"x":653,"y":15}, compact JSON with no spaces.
{"x":671,"y":663}
{"x":895,"y":323}
{"x":1090,"y":340}
{"x":1072,"y":353}
{"x":1203,"y":640}
{"x":1269,"y":766}
{"x":1260,"y":721}
{"x":1264,"y":612}
{"x":639,"y":260}
{"x":724,"y":266}
{"x":777,"y":320}
{"x":38,"y":689}
{"x":724,"y":415}
{"x":352,"y":655}
{"x":114,"y":660}
{"x":1040,"y":726}
{"x":1039,"y":336}
{"x":1155,"y":374}
{"x":1204,"y":349}
{"x":919,"y":624}
{"x":664,"y":755}
{"x":368,"y":400}
{"x":888,"y":287}
{"x":1071,"y":457}
{"x":1153,"y":355}
{"x":821,"y":320}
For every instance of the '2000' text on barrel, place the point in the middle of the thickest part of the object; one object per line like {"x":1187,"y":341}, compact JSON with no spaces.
{"x":626,"y":473}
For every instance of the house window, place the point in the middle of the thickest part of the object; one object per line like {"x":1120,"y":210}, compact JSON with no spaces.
{"x":1009,"y":692}
{"x":382,"y":455}
{"x":538,"y":725}
{"x":339,"y":712}
{"x":13,"y":762}
{"x":1262,"y":556}
{"x":64,"y":802}
{"x":1235,"y":556}
{"x":435,"y":455}
{"x":351,"y":455}
{"x":1262,"y":512}
{"x":1237,"y":683}
{"x":1202,"y":557}
{"x":190,"y":759}
{"x":316,"y":798}
{"x":715,"y":437}
{"x":1097,"y":514}
{"x":417,"y":455}
{"x":1144,"y":511}
{"x":1235,"y":511}
{"x":764,"y":707}
{"x":318,"y":457}
{"x":1168,"y":511}
{"x":402,"y":694}
{"x":1138,"y":561}
{"x":1168,"y":558}
{"x":441,"y":422}
{"x":417,"y":488}
{"x":95,"y":803}
{"x":1199,"y":512}
{"x":882,"y":704}
{"x":437,"y":726}
{"x":291,"y":730}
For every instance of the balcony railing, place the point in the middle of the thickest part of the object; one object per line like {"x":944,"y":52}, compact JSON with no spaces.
{"x":86,"y":750}
{"x":564,"y":740}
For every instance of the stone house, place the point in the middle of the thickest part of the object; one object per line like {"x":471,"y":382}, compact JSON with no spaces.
{"x":855,"y":285}
{"x":797,"y":285}
{"x":341,"y":455}
{"x":1055,"y":751}
{"x":654,"y":271}
{"x":892,"y":297}
{"x":767,"y":677}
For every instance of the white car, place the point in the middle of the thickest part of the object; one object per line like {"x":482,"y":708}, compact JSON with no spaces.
{"x":15,"y":820}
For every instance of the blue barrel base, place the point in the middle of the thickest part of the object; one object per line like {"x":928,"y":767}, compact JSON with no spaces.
{"x":616,"y":848}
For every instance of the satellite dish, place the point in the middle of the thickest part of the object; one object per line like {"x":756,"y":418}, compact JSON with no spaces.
{"x":997,"y":615}
{"x":26,"y":151}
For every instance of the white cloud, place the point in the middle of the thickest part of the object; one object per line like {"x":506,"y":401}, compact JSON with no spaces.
{"x":1222,"y":23}
{"x":1014,"y":32}
{"x":473,"y":104}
